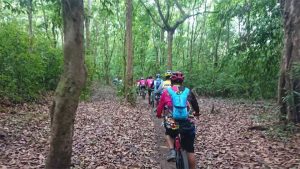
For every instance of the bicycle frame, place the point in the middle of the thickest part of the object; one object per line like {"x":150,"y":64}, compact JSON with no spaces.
{"x":152,"y":98}
{"x":181,"y":154}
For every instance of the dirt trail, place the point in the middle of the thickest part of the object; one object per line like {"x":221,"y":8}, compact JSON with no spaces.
{"x":159,"y":135}
{"x":110,"y":134}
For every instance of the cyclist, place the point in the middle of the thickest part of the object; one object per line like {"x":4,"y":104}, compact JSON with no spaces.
{"x":157,"y":82}
{"x":149,"y":84}
{"x":188,"y":136}
{"x":137,"y":86}
{"x":142,"y":85}
{"x":166,"y":83}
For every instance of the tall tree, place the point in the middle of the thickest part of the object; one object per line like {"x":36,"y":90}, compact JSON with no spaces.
{"x":289,"y":81}
{"x":108,"y":49}
{"x":87,"y":25}
{"x":129,"y":52}
{"x":67,"y":94}
{"x":29,"y":13}
{"x":165,"y":22}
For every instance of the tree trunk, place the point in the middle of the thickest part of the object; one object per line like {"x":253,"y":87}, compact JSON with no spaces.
{"x":54,"y":35}
{"x":124,"y":58}
{"x":45,"y":20}
{"x":106,"y":52}
{"x":216,"y":55}
{"x":87,"y":26}
{"x":203,"y":32}
{"x":129,"y":51}
{"x":188,"y":44}
{"x":29,"y":14}
{"x":228,"y":37}
{"x":191,"y":46}
{"x":162,"y":47}
{"x":156,"y":50}
{"x":170,"y":43}
{"x":30,"y":28}
{"x":289,"y":83}
{"x":67,"y":94}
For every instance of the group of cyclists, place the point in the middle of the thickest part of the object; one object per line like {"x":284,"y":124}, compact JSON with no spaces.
{"x":172,"y":100}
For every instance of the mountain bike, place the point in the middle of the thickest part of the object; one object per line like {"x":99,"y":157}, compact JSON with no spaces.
{"x":181,"y":155}
{"x":152,"y":98}
{"x":157,"y":98}
{"x":143,"y":92}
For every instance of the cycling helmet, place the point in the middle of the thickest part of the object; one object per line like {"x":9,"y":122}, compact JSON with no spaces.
{"x":142,"y":78}
{"x":157,"y":75}
{"x":177,"y":77}
{"x":168,"y":73}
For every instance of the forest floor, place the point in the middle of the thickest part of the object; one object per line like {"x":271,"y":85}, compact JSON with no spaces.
{"x":111,"y":134}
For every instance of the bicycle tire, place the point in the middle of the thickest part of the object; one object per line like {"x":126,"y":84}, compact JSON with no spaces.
{"x":144,"y":94}
{"x":179,"y":160}
{"x":184,"y":159}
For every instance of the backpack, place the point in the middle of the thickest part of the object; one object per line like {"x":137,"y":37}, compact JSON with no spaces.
{"x":179,"y":101}
{"x":158,"y":82}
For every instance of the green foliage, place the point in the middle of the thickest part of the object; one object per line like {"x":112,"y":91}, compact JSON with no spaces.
{"x":282,"y":131}
{"x":275,"y":129}
{"x":26,"y":70}
{"x":249,"y":51}
{"x":232,"y":51}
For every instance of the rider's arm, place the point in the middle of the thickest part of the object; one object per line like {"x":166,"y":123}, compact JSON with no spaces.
{"x":160,"y":88}
{"x":161,"y":105}
{"x":193,"y":101}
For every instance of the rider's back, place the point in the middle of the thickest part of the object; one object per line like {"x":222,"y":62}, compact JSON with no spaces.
{"x":167,"y":100}
{"x":149,"y":83}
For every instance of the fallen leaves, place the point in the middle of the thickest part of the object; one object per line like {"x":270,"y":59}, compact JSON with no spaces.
{"x":225,"y":141}
{"x":112,"y":135}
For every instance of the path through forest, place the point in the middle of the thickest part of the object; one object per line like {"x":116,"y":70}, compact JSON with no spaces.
{"x":111,"y":134}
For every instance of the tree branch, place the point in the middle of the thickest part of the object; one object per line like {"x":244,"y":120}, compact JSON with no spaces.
{"x":151,"y":15}
{"x":166,"y":24}
{"x":168,"y":10}
{"x":180,"y":21}
{"x":180,"y":8}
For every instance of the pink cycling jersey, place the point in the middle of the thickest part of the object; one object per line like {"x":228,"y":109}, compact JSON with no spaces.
{"x":142,"y":82}
{"x":149,"y":83}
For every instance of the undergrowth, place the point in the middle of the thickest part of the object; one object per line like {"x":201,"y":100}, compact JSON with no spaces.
{"x":275,"y":129}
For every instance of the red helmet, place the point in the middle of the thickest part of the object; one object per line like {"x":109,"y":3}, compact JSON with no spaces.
{"x":177,"y":77}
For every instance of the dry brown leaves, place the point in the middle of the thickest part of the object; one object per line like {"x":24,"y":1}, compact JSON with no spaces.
{"x":224,"y":140}
{"x":112,"y":135}
{"x":109,"y":134}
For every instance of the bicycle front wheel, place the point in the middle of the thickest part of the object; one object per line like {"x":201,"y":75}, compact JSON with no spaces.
{"x":181,"y":160}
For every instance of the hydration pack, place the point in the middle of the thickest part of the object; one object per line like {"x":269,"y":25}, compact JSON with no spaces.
{"x":180,"y":103}
{"x":157,"y":83}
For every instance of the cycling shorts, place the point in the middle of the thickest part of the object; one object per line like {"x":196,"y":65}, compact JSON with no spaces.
{"x":187,"y":137}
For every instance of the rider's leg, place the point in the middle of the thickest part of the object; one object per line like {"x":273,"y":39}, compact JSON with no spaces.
{"x":149,"y":95}
{"x":170,"y":135}
{"x":139,"y":90}
{"x":192,"y":160}
{"x":170,"y":142}
{"x":187,"y":143}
